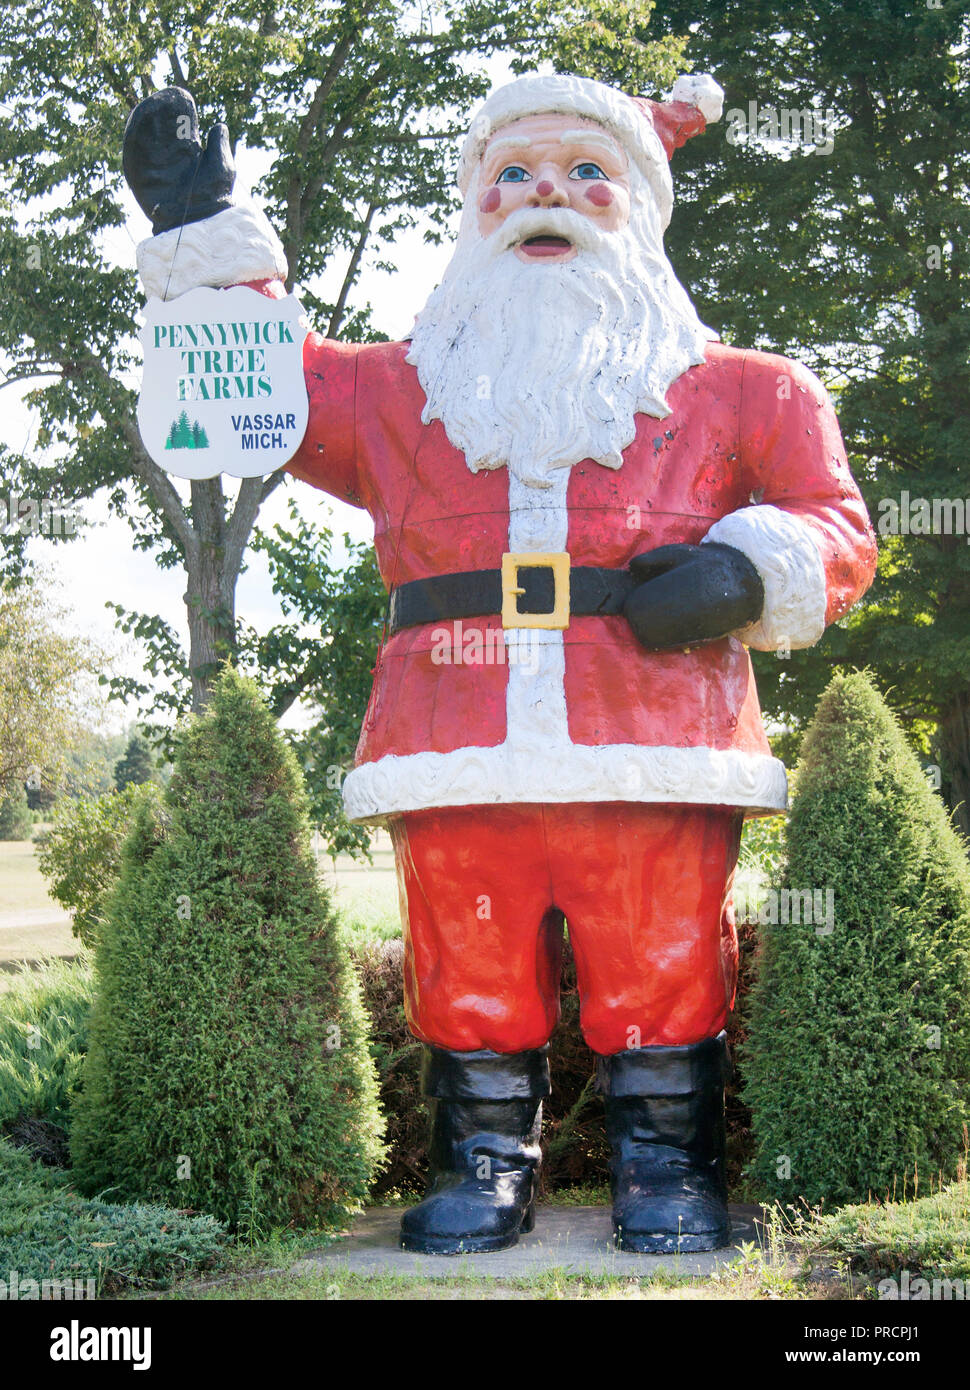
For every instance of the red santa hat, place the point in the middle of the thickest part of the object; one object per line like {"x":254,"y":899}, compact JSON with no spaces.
{"x":648,"y":130}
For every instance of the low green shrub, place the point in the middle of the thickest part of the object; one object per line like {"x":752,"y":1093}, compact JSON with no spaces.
{"x":48,"y":1232}
{"x":43,"y":1038}
{"x":929,"y":1237}
{"x":80,"y":856}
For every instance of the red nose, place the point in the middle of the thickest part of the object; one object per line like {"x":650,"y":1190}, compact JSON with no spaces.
{"x":544,"y":188}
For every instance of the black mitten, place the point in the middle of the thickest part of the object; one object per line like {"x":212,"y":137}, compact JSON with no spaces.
{"x":692,"y":593}
{"x":174,"y":179}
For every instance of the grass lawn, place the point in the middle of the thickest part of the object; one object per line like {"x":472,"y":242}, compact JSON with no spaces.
{"x":552,"y":1286}
{"x":366,"y":894}
{"x":31,"y":923}
{"x":21,"y":887}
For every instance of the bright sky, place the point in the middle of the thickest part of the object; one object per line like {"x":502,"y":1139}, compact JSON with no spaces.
{"x":102,"y":565}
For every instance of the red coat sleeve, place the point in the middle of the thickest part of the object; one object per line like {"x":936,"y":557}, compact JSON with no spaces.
{"x":806,"y":528}
{"x":327,"y":458}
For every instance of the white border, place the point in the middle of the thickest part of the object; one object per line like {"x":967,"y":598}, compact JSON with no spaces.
{"x":504,"y":775}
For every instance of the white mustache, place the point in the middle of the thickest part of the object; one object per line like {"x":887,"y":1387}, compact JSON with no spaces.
{"x":529,"y":222}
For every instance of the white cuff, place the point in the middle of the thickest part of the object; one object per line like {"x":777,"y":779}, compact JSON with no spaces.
{"x":230,"y":248}
{"x":783,"y":551}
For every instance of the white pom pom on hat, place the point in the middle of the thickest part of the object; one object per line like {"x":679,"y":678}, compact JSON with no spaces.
{"x":648,"y":130}
{"x":702,"y":91}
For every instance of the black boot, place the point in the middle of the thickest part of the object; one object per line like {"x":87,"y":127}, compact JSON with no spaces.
{"x":665,"y":1124}
{"x":487,"y":1117}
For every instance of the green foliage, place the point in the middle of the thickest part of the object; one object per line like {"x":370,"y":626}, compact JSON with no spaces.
{"x":81,"y":855}
{"x":16,"y":822}
{"x":854,"y":261}
{"x":42,"y":677}
{"x":858,"y":1055}
{"x":326,"y":653}
{"x":929,"y":1237}
{"x":762,"y":846}
{"x":614,"y":41}
{"x":43,"y":1038}
{"x":48,"y":1232}
{"x":228,"y":1066}
{"x":137,"y":765}
{"x":89,"y":763}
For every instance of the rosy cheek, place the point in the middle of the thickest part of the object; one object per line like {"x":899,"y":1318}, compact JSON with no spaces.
{"x":490,"y":201}
{"x":600,"y":195}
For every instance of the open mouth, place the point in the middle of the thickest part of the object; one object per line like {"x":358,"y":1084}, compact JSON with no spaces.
{"x":545,"y":245}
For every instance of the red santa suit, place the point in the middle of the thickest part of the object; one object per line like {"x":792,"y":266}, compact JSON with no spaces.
{"x":609,"y":783}
{"x":591,"y":779}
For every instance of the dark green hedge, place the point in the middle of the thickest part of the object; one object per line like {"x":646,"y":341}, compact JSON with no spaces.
{"x":228,"y":1067}
{"x":858,"y":1058}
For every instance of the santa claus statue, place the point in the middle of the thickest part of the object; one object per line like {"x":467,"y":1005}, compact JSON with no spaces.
{"x":586,"y":510}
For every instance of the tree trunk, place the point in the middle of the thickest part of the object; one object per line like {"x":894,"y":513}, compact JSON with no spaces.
{"x":210,"y":596}
{"x":954,"y":736}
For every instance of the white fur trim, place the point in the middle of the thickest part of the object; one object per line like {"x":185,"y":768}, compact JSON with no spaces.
{"x":228,"y":249}
{"x":700,"y":90}
{"x":616,"y":772}
{"x":572,"y":96}
{"x":783,"y":551}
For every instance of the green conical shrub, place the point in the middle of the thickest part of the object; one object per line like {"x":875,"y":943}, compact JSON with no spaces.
{"x":228,"y":1068}
{"x":858,"y":1054}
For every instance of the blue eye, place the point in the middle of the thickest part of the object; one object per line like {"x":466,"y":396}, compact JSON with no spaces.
{"x":513,"y":174}
{"x":587,"y":170}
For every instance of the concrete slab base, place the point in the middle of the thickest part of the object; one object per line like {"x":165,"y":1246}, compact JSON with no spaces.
{"x":577,"y":1240}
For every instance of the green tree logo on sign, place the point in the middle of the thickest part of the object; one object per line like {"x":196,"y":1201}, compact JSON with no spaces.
{"x":186,"y":435}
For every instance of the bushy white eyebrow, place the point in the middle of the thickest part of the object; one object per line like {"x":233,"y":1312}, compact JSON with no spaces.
{"x":591,"y":137}
{"x":517,"y":142}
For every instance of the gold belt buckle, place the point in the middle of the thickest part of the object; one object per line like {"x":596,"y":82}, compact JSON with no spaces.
{"x":559,"y":564}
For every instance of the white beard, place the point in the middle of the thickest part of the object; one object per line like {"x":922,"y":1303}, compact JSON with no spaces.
{"x":538,"y":367}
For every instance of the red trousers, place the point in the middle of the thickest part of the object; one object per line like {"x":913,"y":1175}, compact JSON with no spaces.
{"x":645,"y":891}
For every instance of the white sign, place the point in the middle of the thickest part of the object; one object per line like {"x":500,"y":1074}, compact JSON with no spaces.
{"x":222,"y":385}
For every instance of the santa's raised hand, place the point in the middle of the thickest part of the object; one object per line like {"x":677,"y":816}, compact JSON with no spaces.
{"x":174,"y":178}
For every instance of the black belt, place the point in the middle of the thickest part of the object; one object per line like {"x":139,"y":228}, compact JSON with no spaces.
{"x":479,"y":594}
